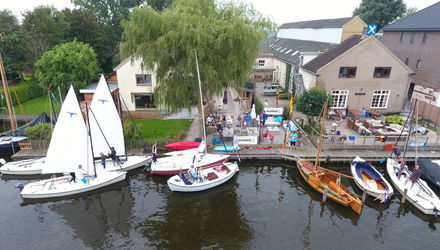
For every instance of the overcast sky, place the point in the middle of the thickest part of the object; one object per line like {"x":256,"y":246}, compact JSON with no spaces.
{"x":281,"y":11}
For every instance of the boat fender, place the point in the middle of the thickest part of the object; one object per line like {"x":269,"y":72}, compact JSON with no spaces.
{"x":2,"y":162}
{"x":327,"y":158}
{"x":19,"y":186}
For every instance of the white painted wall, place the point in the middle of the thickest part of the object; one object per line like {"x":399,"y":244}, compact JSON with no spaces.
{"x":282,"y":69}
{"x":127,"y":82}
{"x":328,"y":35}
{"x":308,"y":79}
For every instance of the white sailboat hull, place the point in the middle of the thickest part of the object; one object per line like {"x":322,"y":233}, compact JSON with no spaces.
{"x":172,"y":165}
{"x":60,"y":187}
{"x":24,"y":167}
{"x":370,"y":189}
{"x":132,"y":162}
{"x":175,"y":183}
{"x":420,"y":195}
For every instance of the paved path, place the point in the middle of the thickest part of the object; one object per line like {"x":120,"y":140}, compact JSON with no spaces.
{"x":271,"y":100}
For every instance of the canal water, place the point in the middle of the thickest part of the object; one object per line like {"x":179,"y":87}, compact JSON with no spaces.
{"x":266,"y":206}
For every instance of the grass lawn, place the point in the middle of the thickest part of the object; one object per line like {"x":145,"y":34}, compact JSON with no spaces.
{"x":157,"y":129}
{"x":35,"y":106}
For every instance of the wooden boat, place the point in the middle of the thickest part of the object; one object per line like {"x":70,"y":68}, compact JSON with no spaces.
{"x":369,"y":180}
{"x":321,"y":180}
{"x":227,"y":148}
{"x":420,"y":195}
{"x":199,"y":179}
{"x":183,"y":145}
{"x":71,"y":130}
{"x":326,"y":181}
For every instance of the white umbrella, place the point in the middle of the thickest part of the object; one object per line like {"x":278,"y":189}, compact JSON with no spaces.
{"x":253,"y":113}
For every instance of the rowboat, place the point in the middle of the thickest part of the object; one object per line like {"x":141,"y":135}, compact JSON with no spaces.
{"x":183,"y":145}
{"x":368,"y":179}
{"x":325,"y":182}
{"x":199,"y":179}
{"x":420,"y":195}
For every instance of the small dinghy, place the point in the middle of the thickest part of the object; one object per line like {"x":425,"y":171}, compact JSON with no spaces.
{"x":420,"y":195}
{"x":183,"y":145}
{"x":199,"y":179}
{"x":369,"y":180}
{"x":24,"y":167}
{"x":227,"y":148}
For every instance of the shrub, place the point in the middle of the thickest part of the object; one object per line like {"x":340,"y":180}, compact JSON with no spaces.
{"x":130,"y":131}
{"x":258,"y":105}
{"x":283,"y":96}
{"x":39,"y":132}
{"x":26,"y":90}
{"x":286,"y":113}
{"x":394,"y":119}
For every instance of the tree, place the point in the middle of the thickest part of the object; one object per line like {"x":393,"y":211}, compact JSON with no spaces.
{"x":72,"y":63}
{"x":409,"y":11}
{"x":380,"y":12}
{"x":310,"y":102}
{"x":159,"y":5}
{"x":10,"y":44}
{"x":45,"y":27}
{"x":83,"y":27}
{"x":226,"y":38}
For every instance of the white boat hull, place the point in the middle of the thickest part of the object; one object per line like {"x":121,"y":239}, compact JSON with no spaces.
{"x":60,"y":187}
{"x":175,"y":183}
{"x":375,"y":192}
{"x":420,"y":195}
{"x":132,"y":162}
{"x":172,"y":165}
{"x":24,"y":167}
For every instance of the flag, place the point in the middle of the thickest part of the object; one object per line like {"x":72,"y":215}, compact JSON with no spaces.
{"x":291,"y":105}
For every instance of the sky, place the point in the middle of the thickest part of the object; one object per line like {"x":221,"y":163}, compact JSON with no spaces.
{"x":281,"y":11}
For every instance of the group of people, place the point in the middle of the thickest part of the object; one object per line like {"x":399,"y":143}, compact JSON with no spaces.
{"x":415,"y":175}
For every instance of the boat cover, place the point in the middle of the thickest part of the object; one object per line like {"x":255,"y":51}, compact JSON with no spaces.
{"x":42,"y":118}
{"x":367,"y":168}
{"x":430,"y":171}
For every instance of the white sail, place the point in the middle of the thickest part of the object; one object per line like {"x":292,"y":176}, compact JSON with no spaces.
{"x":69,"y":145}
{"x":109,"y":133}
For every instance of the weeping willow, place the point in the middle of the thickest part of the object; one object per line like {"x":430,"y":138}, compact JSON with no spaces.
{"x":225,"y":35}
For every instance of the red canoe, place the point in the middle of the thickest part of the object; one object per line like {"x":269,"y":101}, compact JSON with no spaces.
{"x":183,"y":145}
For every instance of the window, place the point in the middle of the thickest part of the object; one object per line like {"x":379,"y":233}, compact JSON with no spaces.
{"x":413,"y":37}
{"x":401,"y":36}
{"x":143,"y":101}
{"x":261,"y":63}
{"x":380,"y":99}
{"x":418,"y":64}
{"x":143,"y":79}
{"x":382,"y":72}
{"x":347,"y":72}
{"x":339,"y":98}
{"x":407,"y":61}
{"x":424,"y":38}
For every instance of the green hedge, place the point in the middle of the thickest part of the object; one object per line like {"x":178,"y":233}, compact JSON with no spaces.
{"x":283,"y":96}
{"x":26,"y":90}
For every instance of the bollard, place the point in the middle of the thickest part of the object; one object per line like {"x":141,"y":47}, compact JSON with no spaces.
{"x":405,"y":192}
{"x":364,"y":196}
{"x":324,"y":196}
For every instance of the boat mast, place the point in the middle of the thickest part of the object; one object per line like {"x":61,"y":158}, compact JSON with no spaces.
{"x":324,"y":110}
{"x":90,"y":137}
{"x":7,"y":95}
{"x":201,"y":99}
{"x":417,"y":127}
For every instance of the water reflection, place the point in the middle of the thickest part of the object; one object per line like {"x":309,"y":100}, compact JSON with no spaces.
{"x":199,"y":220}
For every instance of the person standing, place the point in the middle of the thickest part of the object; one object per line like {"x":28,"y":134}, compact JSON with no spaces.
{"x":114,"y":157}
{"x":401,"y":167}
{"x":248,"y":119}
{"x":235,"y":142}
{"x":347,"y":110}
{"x":265,"y":104}
{"x":264,"y":117}
{"x":224,"y":121}
{"x":103,"y":157}
{"x":415,"y":176}
{"x":239,"y":119}
{"x":154,"y":152}
{"x":293,"y":139}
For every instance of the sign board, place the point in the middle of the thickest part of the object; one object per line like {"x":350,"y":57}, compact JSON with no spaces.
{"x":247,"y":139}
{"x":273,"y":111}
{"x":371,"y":29}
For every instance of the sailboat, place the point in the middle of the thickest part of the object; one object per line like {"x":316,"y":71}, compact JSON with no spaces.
{"x":108,"y":131}
{"x":325,"y":181}
{"x":420,"y":194}
{"x":70,"y":151}
{"x":199,"y":178}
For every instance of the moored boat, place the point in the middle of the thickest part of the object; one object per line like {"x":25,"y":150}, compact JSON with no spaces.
{"x":227,"y":148}
{"x":420,"y":195}
{"x":369,"y":180}
{"x":200,"y":179}
{"x":430,"y":170}
{"x":183,"y":145}
{"x":24,"y":167}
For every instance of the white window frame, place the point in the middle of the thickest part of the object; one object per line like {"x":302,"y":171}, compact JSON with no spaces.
{"x":261,"y":62}
{"x":381,"y":94}
{"x":339,"y":94}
